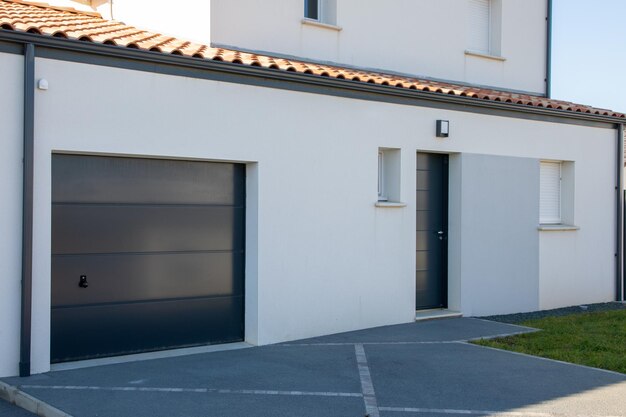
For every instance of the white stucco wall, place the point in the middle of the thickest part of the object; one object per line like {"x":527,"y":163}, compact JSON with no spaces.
{"x":11,"y":213}
{"x":184,"y":19}
{"x":426,"y":37}
{"x":72,"y":4}
{"x":568,"y":277}
{"x":321,"y":258}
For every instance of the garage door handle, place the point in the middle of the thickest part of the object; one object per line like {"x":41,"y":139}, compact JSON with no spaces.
{"x":82,"y":283}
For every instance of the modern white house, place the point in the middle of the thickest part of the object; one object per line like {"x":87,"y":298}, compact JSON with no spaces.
{"x":265,"y":171}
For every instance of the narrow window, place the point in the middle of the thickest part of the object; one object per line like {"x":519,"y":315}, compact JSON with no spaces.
{"x":389,"y":174}
{"x":480,"y":26}
{"x":312,"y":9}
{"x":550,"y":192}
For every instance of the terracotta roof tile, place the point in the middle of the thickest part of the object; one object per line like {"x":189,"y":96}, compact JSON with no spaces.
{"x":69,"y":23}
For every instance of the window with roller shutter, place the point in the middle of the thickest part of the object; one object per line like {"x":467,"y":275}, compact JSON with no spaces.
{"x":480,"y":26}
{"x":550,"y":192}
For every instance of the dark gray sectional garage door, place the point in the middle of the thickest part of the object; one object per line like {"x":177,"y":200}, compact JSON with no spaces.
{"x":161,"y":244}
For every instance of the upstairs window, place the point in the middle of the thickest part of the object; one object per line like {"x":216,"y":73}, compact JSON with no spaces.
{"x":312,"y":9}
{"x":480,"y":16}
{"x":323,"y":11}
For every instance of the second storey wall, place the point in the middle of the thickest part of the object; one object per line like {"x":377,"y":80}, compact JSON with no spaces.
{"x":426,"y":37}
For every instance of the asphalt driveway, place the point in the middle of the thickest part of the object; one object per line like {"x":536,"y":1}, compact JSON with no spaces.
{"x":418,"y":369}
{"x":10,"y":410}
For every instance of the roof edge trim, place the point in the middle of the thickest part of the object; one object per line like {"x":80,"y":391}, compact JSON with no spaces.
{"x":276,"y":74}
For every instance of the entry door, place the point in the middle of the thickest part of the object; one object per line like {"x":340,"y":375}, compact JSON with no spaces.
{"x":146,"y":255}
{"x":432,"y":231}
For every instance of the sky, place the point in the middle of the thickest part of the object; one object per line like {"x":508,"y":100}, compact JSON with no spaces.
{"x":589,"y":52}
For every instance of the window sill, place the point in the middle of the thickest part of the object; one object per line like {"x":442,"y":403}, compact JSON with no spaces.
{"x":389,"y":204}
{"x":317,"y":23}
{"x":487,"y":56}
{"x":557,"y":228}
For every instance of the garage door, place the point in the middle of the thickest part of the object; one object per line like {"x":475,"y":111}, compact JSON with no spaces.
{"x":146,"y":255}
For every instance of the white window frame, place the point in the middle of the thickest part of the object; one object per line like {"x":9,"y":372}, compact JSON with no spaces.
{"x":326,"y":14}
{"x":389,"y":177}
{"x":381,"y":176}
{"x":493,"y":48}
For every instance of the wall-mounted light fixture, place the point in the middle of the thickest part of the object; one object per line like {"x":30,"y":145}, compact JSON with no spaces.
{"x":443,"y":128}
{"x":42,"y":84}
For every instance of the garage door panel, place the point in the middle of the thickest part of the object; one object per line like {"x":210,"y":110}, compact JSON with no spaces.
{"x":131,"y":180}
{"x":79,"y":228}
{"x":140,"y":277}
{"x":79,"y":332}
{"x":162,"y":246}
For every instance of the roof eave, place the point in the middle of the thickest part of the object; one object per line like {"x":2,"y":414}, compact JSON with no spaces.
{"x":283,"y":75}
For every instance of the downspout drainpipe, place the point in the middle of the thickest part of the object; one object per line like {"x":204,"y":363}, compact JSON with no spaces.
{"x":620,"y":249}
{"x":549,"y":53}
{"x":27,"y":209}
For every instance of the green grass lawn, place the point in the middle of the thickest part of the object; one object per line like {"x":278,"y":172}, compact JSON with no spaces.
{"x":592,"y":339}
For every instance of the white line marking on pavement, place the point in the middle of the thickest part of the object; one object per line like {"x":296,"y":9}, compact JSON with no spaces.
{"x":482,"y":412}
{"x":464,"y":412}
{"x":371,"y":343}
{"x":296,"y":393}
{"x":501,"y":322}
{"x":371,"y":408}
{"x":427,"y":342}
{"x":497,"y":336}
{"x":196,"y":390}
{"x":313,"y":344}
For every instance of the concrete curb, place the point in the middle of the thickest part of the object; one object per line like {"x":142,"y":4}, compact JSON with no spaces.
{"x":29,"y":403}
{"x":527,"y":330}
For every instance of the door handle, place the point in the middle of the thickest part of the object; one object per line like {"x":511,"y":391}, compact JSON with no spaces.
{"x":82,"y":282}
{"x":440,"y":234}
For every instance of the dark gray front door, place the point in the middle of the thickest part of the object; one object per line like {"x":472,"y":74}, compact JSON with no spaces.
{"x":146,"y":254}
{"x":432,"y":231}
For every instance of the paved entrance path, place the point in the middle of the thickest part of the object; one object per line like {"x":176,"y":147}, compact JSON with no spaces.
{"x":411,"y":370}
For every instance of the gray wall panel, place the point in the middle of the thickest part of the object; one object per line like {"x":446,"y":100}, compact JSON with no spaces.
{"x":132,"y":277}
{"x":500,"y":244}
